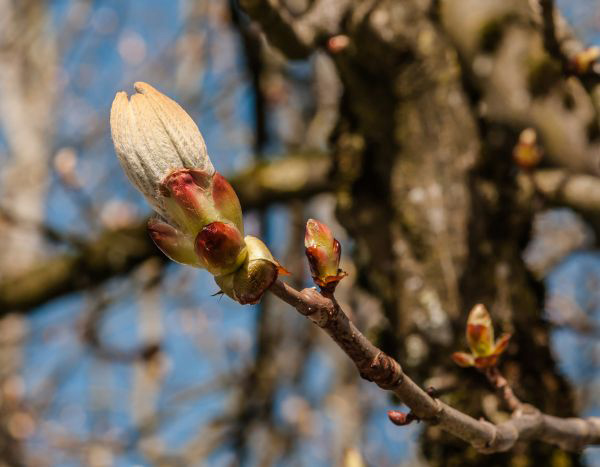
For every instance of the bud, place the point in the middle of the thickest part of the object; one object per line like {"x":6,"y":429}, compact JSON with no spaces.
{"x":207,"y":214}
{"x":338,"y":43}
{"x":173,"y":243}
{"x":257,"y":273}
{"x":194,"y":198}
{"x":186,"y":197}
{"x":583,"y":61}
{"x":221,"y":248}
{"x":323,"y":252}
{"x":527,"y":153}
{"x":153,"y":136}
{"x":480,"y":332}
{"x":163,"y":154}
{"x":226,"y":202}
{"x":480,"y":337}
{"x":401,"y":418}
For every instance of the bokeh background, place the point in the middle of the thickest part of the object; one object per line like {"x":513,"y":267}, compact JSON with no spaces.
{"x":138,"y":362}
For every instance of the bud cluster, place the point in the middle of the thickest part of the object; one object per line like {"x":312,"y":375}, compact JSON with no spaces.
{"x":163,"y":153}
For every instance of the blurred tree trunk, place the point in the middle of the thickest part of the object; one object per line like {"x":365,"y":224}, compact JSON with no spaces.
{"x":27,"y":68}
{"x":423,"y":154}
{"x":439,"y":226}
{"x":27,"y":80}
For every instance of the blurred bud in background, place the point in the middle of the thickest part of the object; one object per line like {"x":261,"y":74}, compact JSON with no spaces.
{"x":586,"y":60}
{"x":527,"y":153}
{"x":480,"y":337}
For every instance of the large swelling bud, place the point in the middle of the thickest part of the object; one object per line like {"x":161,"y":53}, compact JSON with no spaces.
{"x":162,"y":152}
{"x":153,"y":136}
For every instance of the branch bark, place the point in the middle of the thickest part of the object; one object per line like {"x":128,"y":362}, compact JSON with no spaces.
{"x":433,"y":102}
{"x":527,"y":423}
{"x":297,"y":36}
{"x":579,"y":191}
{"x":500,"y":384}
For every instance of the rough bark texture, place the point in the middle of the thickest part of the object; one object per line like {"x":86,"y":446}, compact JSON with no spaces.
{"x":434,"y":101}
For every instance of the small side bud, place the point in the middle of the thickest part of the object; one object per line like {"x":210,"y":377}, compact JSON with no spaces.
{"x":480,"y":337}
{"x":584,"y":61}
{"x":337,"y":44}
{"x":401,"y":418}
{"x":257,"y":273}
{"x":173,"y":243}
{"x":323,"y":252}
{"x":502,"y":343}
{"x":527,"y":154}
{"x":221,"y":248}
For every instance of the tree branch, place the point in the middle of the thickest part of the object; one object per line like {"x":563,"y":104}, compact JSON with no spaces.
{"x":281,"y":25}
{"x":499,"y":382}
{"x":527,"y":422}
{"x":524,"y":77}
{"x":116,"y":252}
{"x":549,"y":31}
{"x":579,"y":191}
{"x":297,"y":36}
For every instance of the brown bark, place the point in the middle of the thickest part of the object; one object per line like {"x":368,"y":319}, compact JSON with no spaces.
{"x":434,"y":101}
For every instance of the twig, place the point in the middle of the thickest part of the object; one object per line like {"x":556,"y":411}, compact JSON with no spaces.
{"x":527,"y":422}
{"x":551,"y":41}
{"x":560,"y":186}
{"x":498,"y":381}
{"x":297,"y":35}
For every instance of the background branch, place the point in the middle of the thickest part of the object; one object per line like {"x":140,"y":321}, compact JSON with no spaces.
{"x":116,"y":252}
{"x":297,"y":35}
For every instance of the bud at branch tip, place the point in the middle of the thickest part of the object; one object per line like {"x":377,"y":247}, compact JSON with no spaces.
{"x":323,"y":252}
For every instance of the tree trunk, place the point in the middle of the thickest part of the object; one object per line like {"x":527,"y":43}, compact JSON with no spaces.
{"x":423,"y":153}
{"x":437,"y":219}
{"x":27,"y":68}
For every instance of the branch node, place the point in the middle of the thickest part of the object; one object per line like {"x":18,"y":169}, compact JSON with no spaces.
{"x":384,"y":371}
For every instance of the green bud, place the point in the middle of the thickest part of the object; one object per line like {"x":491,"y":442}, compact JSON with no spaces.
{"x":480,"y":332}
{"x":480,"y":337}
{"x":256,"y":274}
